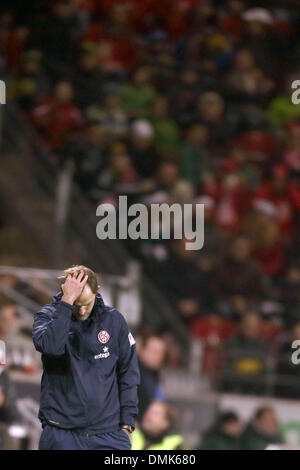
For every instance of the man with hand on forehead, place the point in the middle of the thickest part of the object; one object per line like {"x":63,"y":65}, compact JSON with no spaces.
{"x":89,"y":384}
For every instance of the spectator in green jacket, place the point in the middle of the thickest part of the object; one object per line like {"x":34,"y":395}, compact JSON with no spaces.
{"x":262,"y":430}
{"x":224,"y":434}
{"x":166,"y":131}
{"x":137,"y":96}
{"x":282,"y":109}
{"x":156,"y":431}
{"x":194,"y":154}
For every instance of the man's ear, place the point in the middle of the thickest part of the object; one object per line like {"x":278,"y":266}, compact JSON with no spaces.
{"x":99,"y":287}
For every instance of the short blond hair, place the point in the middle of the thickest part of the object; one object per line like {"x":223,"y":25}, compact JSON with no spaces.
{"x":92,"y":276}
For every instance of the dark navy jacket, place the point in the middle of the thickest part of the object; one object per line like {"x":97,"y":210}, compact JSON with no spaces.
{"x":89,"y":384}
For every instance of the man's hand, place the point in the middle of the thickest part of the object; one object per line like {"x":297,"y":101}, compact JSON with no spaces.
{"x":127,"y":432}
{"x":73,"y":287}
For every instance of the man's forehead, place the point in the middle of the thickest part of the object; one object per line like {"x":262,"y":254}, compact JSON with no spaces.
{"x":86,"y":296}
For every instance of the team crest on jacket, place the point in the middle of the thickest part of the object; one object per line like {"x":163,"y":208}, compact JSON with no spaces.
{"x":103,"y":336}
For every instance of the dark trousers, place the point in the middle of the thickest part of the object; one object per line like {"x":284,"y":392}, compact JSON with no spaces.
{"x":53,"y":438}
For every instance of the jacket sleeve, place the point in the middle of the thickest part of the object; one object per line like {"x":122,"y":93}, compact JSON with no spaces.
{"x":128,"y":376}
{"x":51,"y":328}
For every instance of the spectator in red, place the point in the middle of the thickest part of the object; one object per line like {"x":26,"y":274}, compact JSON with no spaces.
{"x":285,"y":195}
{"x":114,"y":39}
{"x":13,"y":40}
{"x":230,"y":18}
{"x":212,"y":329}
{"x":232,"y":201}
{"x":57,"y":117}
{"x":260,"y":146}
{"x":262,"y":227}
{"x":291,"y":155}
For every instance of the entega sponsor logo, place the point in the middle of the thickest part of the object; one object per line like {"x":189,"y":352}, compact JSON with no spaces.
{"x":103,"y":355}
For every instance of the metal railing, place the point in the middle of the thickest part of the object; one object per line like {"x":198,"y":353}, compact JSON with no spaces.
{"x":114,"y":289}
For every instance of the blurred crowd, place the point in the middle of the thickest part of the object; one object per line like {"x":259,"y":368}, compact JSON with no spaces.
{"x":229,"y":433}
{"x":158,"y":421}
{"x":184,"y":101}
